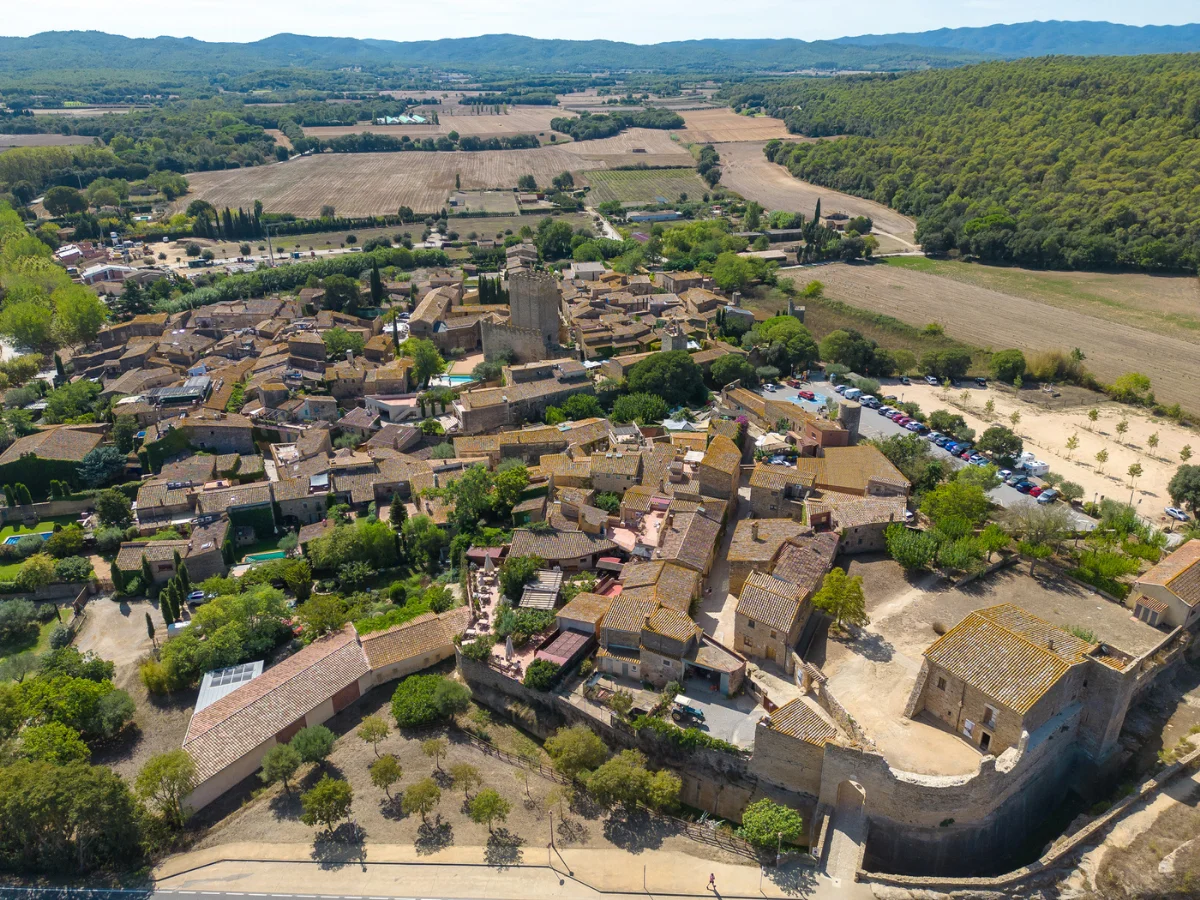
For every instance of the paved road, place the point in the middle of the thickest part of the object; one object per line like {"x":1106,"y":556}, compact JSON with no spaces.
{"x":874,"y":425}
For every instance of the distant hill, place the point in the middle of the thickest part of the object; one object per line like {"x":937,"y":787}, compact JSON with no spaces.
{"x":51,"y":51}
{"x":1045,"y":38}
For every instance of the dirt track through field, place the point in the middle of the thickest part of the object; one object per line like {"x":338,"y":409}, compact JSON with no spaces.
{"x":994,"y":320}
{"x":747,"y":171}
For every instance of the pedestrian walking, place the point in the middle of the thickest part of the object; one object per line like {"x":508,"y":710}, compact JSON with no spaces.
{"x":712,"y":883}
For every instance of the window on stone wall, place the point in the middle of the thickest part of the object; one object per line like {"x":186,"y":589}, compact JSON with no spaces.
{"x":941,"y":684}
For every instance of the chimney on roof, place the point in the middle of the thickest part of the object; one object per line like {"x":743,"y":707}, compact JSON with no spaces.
{"x":754,"y":530}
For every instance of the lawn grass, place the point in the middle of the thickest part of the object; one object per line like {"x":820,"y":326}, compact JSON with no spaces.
{"x":9,"y":571}
{"x":47,"y":524}
{"x":37,"y":642}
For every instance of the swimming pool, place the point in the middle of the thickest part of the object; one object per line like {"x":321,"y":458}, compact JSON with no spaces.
{"x":451,"y":380}
{"x":263,"y":557}
{"x":14,"y":538}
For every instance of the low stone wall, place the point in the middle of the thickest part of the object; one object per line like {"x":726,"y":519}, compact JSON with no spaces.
{"x":55,"y":592}
{"x":1050,"y":865}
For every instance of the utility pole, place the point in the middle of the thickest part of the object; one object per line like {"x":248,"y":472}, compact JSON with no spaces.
{"x":270,"y":248}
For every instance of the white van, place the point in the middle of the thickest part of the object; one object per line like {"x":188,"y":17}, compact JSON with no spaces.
{"x":1036,"y":467}
{"x":852,"y":393}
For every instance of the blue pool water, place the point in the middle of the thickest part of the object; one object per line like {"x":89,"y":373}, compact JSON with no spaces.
{"x":14,"y":538}
{"x":451,"y":380}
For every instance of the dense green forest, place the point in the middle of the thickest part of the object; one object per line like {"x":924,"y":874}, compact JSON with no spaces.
{"x":1056,"y":162}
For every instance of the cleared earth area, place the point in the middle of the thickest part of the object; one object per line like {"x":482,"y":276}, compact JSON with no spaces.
{"x":992,"y":319}
{"x":648,"y":186}
{"x":366,"y":184}
{"x":8,"y":141}
{"x":747,"y":171}
{"x":713,"y":126}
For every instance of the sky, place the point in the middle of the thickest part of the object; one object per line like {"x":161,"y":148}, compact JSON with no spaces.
{"x":635,"y":21}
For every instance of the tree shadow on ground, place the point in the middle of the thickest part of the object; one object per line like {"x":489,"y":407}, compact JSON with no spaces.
{"x":635,"y":831}
{"x":584,"y":805}
{"x":392,"y":809}
{"x":870,"y":645}
{"x":433,"y":836}
{"x":572,"y":831}
{"x":503,"y":849}
{"x":793,"y":879}
{"x":286,"y":804}
{"x":342,"y":847}
{"x":442,"y":778}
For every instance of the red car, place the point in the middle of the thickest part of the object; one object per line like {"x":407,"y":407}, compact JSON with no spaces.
{"x":1036,"y":491}
{"x":902,"y":420}
{"x":795,"y":382}
{"x":806,"y":395}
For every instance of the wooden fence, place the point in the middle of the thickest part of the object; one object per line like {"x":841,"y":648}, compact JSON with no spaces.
{"x":702,"y":833}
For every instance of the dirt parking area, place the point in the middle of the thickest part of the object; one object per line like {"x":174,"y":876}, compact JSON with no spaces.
{"x":117,"y":632}
{"x":873,"y":675}
{"x":273,"y":815}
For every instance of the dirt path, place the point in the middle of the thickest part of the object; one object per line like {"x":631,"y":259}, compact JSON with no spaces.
{"x":747,"y":171}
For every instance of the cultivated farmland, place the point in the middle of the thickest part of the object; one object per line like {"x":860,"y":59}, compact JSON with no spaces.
{"x":747,"y":171}
{"x":642,"y":186}
{"x":367,"y":184}
{"x":466,"y":120}
{"x":720,"y":125}
{"x":8,"y":141}
{"x":991,"y":319}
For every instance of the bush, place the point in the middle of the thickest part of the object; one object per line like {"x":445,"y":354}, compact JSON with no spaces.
{"x":29,"y":545}
{"x":480,"y":648}
{"x":684,"y":738}
{"x":60,"y":637}
{"x":155,"y":677}
{"x":541,"y":674}
{"x":415,"y":701}
{"x":73,"y":568}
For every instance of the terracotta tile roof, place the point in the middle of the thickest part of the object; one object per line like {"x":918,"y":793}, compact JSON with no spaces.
{"x":557,"y":545}
{"x":628,"y":613}
{"x":62,"y":442}
{"x":804,"y":561}
{"x":850,"y":469}
{"x":745,"y":546}
{"x":796,"y":720}
{"x":1007,"y":654}
{"x":1179,"y":572}
{"x":690,"y":540}
{"x":620,"y":655}
{"x":227,"y":498}
{"x":672,"y":585}
{"x":769,"y":600}
{"x":224,"y":732}
{"x":424,"y":634}
{"x":673,"y":624}
{"x":157,"y":494}
{"x":723,"y":455}
{"x":616,"y":463}
{"x":129,"y":557}
{"x":586,"y":607}
{"x":774,"y":478}
{"x":852,"y":511}
{"x":1153,"y":604}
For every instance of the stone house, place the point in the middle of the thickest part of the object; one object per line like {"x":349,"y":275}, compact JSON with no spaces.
{"x":789,"y":746}
{"x":998,"y":673}
{"x":300,"y":500}
{"x":862,"y":470}
{"x":616,"y":471}
{"x":754,"y":545}
{"x":770,"y":616}
{"x":571,"y":551}
{"x":201,"y":552}
{"x":1169,"y":594}
{"x":721,"y":470}
{"x":584,"y":614}
{"x":668,"y":637}
{"x":778,"y":492}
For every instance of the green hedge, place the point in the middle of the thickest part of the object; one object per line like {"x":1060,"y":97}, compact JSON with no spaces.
{"x":37,"y":473}
{"x":685,"y":738}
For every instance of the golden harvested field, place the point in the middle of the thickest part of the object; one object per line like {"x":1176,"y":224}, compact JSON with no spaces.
{"x":995,"y":320}
{"x":367,"y":184}
{"x":280,"y":138}
{"x":8,"y":141}
{"x":747,"y":171}
{"x":720,"y":125}
{"x":1168,"y":304}
{"x":84,"y":111}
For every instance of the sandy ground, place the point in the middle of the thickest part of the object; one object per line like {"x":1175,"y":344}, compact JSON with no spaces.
{"x":747,"y":171}
{"x":1046,"y":432}
{"x":273,"y":815}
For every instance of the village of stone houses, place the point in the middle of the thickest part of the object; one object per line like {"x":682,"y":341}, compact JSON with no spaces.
{"x":544,"y":557}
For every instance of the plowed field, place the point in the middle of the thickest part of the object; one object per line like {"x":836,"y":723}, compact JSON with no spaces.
{"x":712,"y":126}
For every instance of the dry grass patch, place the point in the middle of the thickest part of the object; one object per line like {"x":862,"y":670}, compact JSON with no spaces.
{"x":712,"y":126}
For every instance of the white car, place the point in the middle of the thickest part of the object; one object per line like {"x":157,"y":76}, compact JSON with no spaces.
{"x":1176,"y":513}
{"x":769,"y":387}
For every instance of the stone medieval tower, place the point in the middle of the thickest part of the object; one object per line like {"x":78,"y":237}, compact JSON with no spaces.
{"x":534,"y":302}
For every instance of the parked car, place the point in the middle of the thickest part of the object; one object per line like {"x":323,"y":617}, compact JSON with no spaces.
{"x":933,"y":436}
{"x":914,"y":426}
{"x":1005,"y":474}
{"x":1049,"y":495}
{"x":965,"y":454}
{"x":1036,"y":490}
{"x":890,"y":398}
{"x":908,"y":515}
{"x":930,"y":380}
{"x":1014,"y":479}
{"x":769,"y":387}
{"x":1025,"y":486}
{"x":795,"y":382}
{"x":1176,"y":513}
{"x":902,"y":420}
{"x":904,"y":379}
{"x":195,"y":598}
{"x":806,"y":395}
{"x":841,"y":388}
{"x":684,"y":709}
{"x":981,"y":381}
{"x":978,"y":461}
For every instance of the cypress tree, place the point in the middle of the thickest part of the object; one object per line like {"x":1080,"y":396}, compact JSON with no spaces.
{"x":58,"y":367}
{"x":118,"y":580}
{"x":376,"y":286}
{"x":10,"y":495}
{"x":26,"y":498}
{"x":185,"y":580}
{"x":147,"y":575}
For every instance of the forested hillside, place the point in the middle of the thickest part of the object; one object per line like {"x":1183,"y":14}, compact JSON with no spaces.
{"x":1044,"y":38}
{"x":1059,"y":162}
